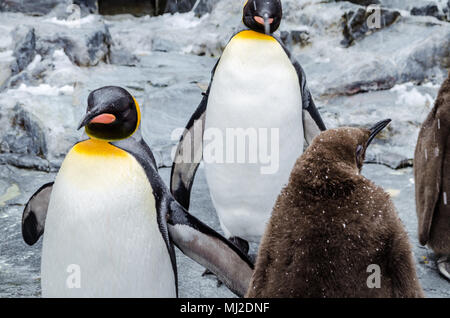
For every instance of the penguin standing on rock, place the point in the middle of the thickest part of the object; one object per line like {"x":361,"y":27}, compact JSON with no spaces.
{"x":109,"y":220}
{"x":432,"y":180}
{"x":331,"y":228}
{"x":256,"y":86}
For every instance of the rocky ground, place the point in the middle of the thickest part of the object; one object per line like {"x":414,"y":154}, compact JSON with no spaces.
{"x":50,"y":61}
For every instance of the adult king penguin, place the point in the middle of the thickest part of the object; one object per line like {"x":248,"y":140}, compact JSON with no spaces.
{"x":333,"y":233}
{"x":110,"y":222}
{"x":432,"y":180}
{"x":255,"y":85}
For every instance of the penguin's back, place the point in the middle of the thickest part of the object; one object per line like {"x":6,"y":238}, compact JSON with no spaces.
{"x":102,"y":226}
{"x":255,"y":86}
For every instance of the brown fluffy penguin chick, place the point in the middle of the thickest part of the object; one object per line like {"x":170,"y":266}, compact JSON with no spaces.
{"x":329,"y":224}
{"x":432,"y":180}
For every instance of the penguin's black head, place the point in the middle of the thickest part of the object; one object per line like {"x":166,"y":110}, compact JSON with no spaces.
{"x":112,"y":114}
{"x":263,"y":16}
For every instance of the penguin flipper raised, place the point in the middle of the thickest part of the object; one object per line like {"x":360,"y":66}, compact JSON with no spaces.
{"x":35,"y":213}
{"x":429,"y":160}
{"x":210,"y":249}
{"x":189,"y":152}
{"x":312,"y":121}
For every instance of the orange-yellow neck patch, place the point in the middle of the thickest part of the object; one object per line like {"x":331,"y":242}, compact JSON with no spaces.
{"x":97,"y":147}
{"x":253,"y":35}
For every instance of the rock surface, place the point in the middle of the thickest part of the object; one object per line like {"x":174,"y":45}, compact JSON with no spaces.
{"x":49,"y":62}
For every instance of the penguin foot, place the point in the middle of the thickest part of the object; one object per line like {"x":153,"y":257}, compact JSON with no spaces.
{"x":443,"y":264}
{"x":207,"y":272}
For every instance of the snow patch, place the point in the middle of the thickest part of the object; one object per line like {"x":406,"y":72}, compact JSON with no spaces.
{"x":408,"y":95}
{"x":44,"y":90}
{"x":76,"y":23}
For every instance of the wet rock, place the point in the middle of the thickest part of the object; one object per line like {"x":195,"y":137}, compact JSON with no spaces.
{"x":431,"y":54}
{"x":204,"y":7}
{"x":5,"y":74}
{"x":431,"y":10}
{"x":362,"y":2}
{"x":389,"y":159}
{"x":446,"y":11}
{"x":181,"y":6}
{"x":24,"y":136}
{"x":151,"y":7}
{"x":87,"y":6}
{"x":23,"y":142}
{"x":134,"y":7}
{"x":120,"y":56}
{"x":31,"y":7}
{"x":360,"y":23}
{"x":25,"y":48}
{"x":27,"y":162}
{"x":294,"y":37}
{"x":85,"y":46}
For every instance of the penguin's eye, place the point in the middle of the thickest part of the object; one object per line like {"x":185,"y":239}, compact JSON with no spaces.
{"x":359,"y":150}
{"x":359,"y":155}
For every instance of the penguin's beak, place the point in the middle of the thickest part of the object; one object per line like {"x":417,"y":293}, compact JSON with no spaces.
{"x":263,"y":21}
{"x":93,"y":118}
{"x":85,"y":120}
{"x":375,"y":130}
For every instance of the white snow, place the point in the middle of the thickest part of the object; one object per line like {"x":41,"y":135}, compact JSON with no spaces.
{"x":44,"y":90}
{"x":76,"y":23}
{"x":408,"y":95}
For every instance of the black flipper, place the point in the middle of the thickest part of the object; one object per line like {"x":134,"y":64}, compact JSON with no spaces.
{"x":189,"y":152}
{"x":35,"y":213}
{"x":312,"y":121}
{"x":210,"y":249}
{"x":194,"y":238}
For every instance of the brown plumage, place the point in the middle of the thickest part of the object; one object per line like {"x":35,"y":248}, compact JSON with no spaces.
{"x":432,"y":175}
{"x":329,"y":224}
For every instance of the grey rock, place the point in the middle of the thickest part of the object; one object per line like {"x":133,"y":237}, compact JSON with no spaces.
{"x":87,"y":6}
{"x":23,"y":142}
{"x":355,"y":24}
{"x":31,"y":7}
{"x":134,"y":7}
{"x":25,"y":136}
{"x":87,"y":46}
{"x":181,"y":6}
{"x":300,"y":37}
{"x":28,"y":162}
{"x":362,"y":2}
{"x":122,"y":57}
{"x":205,"y":6}
{"x":25,"y":48}
{"x":389,"y":159}
{"x":430,"y":9}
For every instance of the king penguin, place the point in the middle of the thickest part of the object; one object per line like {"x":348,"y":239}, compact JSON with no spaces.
{"x":432,"y":180}
{"x":256,"y":88}
{"x":109,"y":222}
{"x":333,"y":233}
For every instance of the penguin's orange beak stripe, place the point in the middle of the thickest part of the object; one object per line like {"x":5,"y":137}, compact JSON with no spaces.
{"x":261,"y":20}
{"x":103,"y":119}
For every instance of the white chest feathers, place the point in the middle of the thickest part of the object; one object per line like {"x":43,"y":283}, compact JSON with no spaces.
{"x":254,"y":83}
{"x":101,"y":234}
{"x":255,"y":89}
